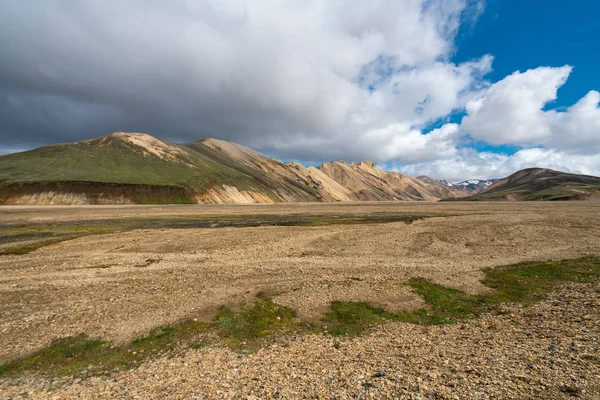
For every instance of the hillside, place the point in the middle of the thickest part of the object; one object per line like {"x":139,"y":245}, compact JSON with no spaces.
{"x":119,"y":168}
{"x":124,"y":168}
{"x":541,"y":184}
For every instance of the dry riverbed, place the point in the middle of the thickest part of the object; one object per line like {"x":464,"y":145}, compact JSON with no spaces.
{"x":134,"y":277}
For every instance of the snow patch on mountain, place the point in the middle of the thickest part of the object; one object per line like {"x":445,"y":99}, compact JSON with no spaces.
{"x":476,"y":185}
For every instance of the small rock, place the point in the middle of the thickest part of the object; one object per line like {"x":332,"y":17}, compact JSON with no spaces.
{"x":380,"y":374}
{"x":367,"y":385}
{"x":572,"y":389}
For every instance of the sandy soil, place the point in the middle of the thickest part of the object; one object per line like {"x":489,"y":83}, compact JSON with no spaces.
{"x":104,"y":285}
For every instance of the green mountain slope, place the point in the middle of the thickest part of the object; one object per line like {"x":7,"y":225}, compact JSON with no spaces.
{"x":118,"y":158}
{"x":541,"y":184}
{"x":134,"y":167}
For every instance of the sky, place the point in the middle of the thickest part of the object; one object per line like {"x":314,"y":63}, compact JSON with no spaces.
{"x":453,"y":89}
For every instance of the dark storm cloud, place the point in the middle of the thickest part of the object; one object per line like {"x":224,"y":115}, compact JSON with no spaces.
{"x":281,"y":76}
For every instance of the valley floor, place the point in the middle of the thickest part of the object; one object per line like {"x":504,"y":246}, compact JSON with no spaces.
{"x":118,"y":276}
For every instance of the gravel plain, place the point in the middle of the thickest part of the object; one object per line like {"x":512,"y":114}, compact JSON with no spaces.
{"x":105,"y":286}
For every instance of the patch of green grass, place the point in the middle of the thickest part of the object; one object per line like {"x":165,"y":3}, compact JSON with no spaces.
{"x":247,"y":329}
{"x":63,"y":356}
{"x":80,"y":355}
{"x":301,"y":186}
{"x":168,"y":338}
{"x":244,"y":331}
{"x":446,"y":305}
{"x":353,"y":318}
{"x":25,"y":235}
{"x":28,"y":248}
{"x":522,"y":283}
{"x":528,"y":282}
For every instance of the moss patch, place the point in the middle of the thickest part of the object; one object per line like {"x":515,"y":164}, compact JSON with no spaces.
{"x":522,"y":283}
{"x":28,"y":248}
{"x":352,"y":318}
{"x":243,"y":331}
{"x":246,"y":330}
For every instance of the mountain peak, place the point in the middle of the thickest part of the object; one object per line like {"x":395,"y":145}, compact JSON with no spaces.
{"x":122,"y":137}
{"x":129,"y":134}
{"x":141,"y":143}
{"x":333,"y":163}
{"x":369,"y":167}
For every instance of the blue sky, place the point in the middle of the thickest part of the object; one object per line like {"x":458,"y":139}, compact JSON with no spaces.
{"x":525,"y":34}
{"x":453,"y":89}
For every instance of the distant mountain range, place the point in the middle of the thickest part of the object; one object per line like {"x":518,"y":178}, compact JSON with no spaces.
{"x":130,"y":168}
{"x":471,"y":186}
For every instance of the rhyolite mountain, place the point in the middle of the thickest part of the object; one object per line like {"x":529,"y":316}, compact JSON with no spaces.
{"x":130,"y":168}
{"x":127,"y":168}
{"x":541,"y":184}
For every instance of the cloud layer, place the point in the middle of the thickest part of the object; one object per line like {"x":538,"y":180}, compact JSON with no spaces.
{"x":306,"y":80}
{"x":511,"y":111}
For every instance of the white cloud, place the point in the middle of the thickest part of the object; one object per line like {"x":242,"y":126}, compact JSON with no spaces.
{"x":425,"y":93}
{"x":578,"y":128}
{"x":510,"y":111}
{"x":470,"y":164}
{"x":399,"y":141}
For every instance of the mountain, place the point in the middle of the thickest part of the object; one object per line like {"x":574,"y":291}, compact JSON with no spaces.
{"x":123,"y":168}
{"x":127,"y":168}
{"x":138,"y":168}
{"x":368,"y":182}
{"x":446,"y":189}
{"x":476,"y":185}
{"x":541,"y":184}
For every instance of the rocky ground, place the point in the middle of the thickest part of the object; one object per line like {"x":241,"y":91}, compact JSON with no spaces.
{"x":547,"y":351}
{"x":550,"y":350}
